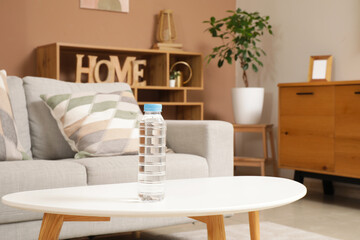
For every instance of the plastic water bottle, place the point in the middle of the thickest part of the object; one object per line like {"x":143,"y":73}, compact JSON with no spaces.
{"x":152,"y":154}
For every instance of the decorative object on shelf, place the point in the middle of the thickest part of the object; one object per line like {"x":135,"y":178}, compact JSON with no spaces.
{"x":168,"y":46}
{"x":320,"y":68}
{"x":108,"y":5}
{"x":166,"y":33}
{"x":240,"y":33}
{"x":130,"y":73}
{"x":173,"y":76}
{"x":179,"y":79}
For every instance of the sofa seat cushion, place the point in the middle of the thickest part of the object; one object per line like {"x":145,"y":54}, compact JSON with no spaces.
{"x":17,"y":176}
{"x":121,"y":169}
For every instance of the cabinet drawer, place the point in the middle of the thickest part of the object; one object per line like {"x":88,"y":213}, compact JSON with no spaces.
{"x":304,"y":101}
{"x":347,"y":99}
{"x":307,"y":142}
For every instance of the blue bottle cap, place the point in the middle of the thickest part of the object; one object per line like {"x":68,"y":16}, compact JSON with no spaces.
{"x":152,"y":107}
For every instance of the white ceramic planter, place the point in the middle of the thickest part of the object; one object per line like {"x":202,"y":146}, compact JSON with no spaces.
{"x":247,"y":105}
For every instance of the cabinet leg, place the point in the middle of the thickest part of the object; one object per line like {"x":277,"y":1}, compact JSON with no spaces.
{"x":328,"y":187}
{"x":298,"y":176}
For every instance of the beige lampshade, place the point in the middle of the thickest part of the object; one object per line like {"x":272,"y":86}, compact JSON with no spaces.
{"x":166,"y":29}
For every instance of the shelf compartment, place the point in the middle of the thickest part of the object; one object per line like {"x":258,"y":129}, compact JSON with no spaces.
{"x":195,"y":62}
{"x":181,"y":111}
{"x":159,"y":95}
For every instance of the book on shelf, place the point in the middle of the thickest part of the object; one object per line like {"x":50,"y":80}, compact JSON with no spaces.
{"x":168,"y":46}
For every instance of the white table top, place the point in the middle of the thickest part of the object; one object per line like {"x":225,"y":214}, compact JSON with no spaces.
{"x":187,"y":197}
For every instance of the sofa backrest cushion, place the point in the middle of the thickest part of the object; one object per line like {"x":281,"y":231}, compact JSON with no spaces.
{"x":10,"y":145}
{"x":18,"y":103}
{"x":46,"y":139}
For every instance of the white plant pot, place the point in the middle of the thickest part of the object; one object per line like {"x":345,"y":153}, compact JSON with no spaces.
{"x":172,"y":82}
{"x":247,"y":105}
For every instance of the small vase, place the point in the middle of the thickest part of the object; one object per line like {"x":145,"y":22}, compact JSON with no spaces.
{"x":247,"y":105}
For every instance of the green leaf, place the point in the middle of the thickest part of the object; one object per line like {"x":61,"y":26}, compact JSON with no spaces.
{"x":220,"y":63}
{"x":212,"y":20}
{"x":218,"y":26}
{"x":245,"y":67}
{"x":213,"y":32}
{"x":257,"y":53}
{"x":254,"y":67}
{"x":229,"y":60}
{"x":229,"y":52}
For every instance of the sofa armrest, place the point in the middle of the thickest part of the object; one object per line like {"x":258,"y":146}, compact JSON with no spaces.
{"x":212,"y":140}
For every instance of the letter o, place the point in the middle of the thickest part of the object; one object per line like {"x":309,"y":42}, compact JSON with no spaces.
{"x":111,"y":71}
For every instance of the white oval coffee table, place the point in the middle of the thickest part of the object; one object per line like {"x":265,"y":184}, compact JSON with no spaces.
{"x":204,"y":199}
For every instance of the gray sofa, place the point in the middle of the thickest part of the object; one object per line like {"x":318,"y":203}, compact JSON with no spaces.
{"x":202,"y":149}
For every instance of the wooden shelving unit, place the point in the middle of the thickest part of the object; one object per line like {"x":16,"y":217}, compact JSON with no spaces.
{"x":58,"y":61}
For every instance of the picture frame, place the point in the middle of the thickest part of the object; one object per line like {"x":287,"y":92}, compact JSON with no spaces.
{"x":106,"y":5}
{"x":320,"y":68}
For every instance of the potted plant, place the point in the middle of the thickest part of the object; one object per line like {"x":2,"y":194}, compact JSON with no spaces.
{"x":173,"y":76}
{"x":240,"y":34}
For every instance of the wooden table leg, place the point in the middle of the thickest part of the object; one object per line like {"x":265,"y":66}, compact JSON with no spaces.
{"x":215,"y":226}
{"x":254,"y":225}
{"x":52,"y":223}
{"x":51,"y":226}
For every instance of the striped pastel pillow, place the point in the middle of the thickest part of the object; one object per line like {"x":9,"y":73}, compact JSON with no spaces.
{"x":97,"y":124}
{"x":10,"y":147}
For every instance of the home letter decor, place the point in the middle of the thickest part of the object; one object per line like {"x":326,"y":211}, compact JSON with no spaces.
{"x":88,"y":70}
{"x":138,"y":73}
{"x":111,"y":72}
{"x":125,"y":70}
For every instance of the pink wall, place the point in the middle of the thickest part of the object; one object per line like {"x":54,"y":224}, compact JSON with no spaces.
{"x":26,"y":24}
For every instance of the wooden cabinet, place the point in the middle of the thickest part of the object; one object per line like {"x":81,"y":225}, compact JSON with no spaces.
{"x":319,"y":127}
{"x":58,"y":61}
